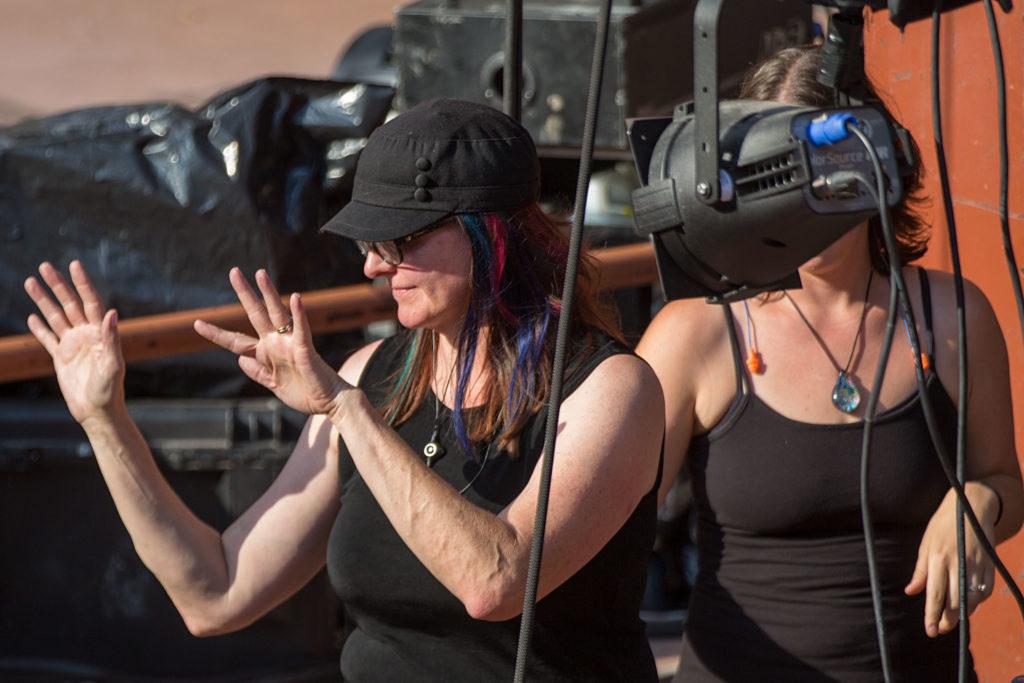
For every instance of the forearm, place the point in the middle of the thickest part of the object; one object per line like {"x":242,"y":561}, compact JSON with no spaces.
{"x":475,"y":554}
{"x":185,"y":554}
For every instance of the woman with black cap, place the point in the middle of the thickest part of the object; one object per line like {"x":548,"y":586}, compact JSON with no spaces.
{"x":414,"y":479}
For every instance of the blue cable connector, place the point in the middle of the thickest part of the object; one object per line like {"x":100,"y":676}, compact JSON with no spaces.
{"x":829,"y":130}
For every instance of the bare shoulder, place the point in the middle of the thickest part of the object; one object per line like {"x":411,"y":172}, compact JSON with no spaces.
{"x":982,"y":324}
{"x":682,"y":335}
{"x":352,"y":369}
{"x":979,"y":309}
{"x":626,"y":379}
{"x":689,"y":321}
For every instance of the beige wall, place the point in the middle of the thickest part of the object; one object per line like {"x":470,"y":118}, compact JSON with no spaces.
{"x":66,"y":54}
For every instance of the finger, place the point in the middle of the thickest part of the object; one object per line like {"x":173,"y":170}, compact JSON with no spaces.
{"x":918,"y":580}
{"x":301,"y":327}
{"x":65,"y":295}
{"x":279,"y":315}
{"x":255,"y":371}
{"x":53,"y":313}
{"x":108,"y":327}
{"x":935,"y":596}
{"x":254,"y":308}
{"x":235,"y":342}
{"x":984,"y":582}
{"x":43,"y":333}
{"x":974,"y":595}
{"x":951,"y":612}
{"x":91,"y":301}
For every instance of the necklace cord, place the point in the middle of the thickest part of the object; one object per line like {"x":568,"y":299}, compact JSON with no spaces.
{"x":817,"y":337}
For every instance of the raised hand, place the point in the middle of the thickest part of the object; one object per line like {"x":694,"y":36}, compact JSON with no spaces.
{"x":281,"y":357}
{"x":81,"y":337}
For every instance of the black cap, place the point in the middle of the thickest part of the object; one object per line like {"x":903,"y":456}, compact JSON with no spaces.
{"x":440,"y":158}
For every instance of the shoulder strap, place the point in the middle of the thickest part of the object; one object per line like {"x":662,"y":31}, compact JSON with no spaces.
{"x":926,"y":307}
{"x":737,"y":353}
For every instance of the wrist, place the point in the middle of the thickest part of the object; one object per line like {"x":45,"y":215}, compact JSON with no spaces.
{"x":101,"y":419}
{"x":985,"y":500}
{"x":345,"y":402}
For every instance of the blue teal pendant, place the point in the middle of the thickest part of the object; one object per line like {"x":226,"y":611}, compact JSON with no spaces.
{"x":844,"y":395}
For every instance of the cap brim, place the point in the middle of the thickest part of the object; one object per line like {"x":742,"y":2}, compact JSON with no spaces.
{"x":360,"y":221}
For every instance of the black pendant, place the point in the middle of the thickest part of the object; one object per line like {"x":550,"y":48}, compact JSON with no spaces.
{"x":433,"y":451}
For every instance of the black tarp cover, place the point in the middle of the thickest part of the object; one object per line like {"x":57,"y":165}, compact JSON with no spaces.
{"x":159,"y":201}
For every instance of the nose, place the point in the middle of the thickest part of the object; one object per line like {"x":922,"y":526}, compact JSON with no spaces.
{"x":374,"y":266}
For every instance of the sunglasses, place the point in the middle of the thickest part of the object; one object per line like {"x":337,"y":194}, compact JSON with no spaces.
{"x":390,"y":251}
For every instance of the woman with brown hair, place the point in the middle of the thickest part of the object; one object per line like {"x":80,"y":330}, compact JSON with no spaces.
{"x":766,"y":408}
{"x":414,"y":479}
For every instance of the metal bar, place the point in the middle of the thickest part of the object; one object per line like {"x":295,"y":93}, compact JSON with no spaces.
{"x":330,"y":310}
{"x":512,"y":85}
{"x":705,"y":98}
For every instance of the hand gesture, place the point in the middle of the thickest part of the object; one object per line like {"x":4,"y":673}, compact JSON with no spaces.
{"x":281,"y":357}
{"x":937,"y":569}
{"x":81,"y":337}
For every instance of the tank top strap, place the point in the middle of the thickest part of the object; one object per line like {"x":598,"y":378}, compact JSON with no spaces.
{"x":737,"y":352}
{"x":926,"y":307}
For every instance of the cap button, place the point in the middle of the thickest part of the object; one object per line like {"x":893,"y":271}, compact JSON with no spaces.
{"x":423,"y":164}
{"x":422,"y":180}
{"x":421,"y":195}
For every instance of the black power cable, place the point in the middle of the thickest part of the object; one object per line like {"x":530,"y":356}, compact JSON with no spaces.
{"x":926,"y":403}
{"x":865,"y":459}
{"x":564,"y":319}
{"x":512,"y":72}
{"x":1011,"y":259}
{"x":961,"y":335}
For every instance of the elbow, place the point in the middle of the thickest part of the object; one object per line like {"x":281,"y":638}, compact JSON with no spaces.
{"x":499,"y":601}
{"x":203,"y":623}
{"x":204,"y":627}
{"x":199,"y":627}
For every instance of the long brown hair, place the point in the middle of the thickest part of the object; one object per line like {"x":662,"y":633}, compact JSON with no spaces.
{"x":519,"y":262}
{"x":790,"y":75}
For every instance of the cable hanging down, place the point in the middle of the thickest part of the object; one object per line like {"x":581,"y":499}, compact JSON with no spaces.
{"x":961,"y":334}
{"x":926,"y":404}
{"x":565,"y":316}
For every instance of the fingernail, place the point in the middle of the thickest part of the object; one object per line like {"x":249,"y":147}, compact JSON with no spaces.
{"x":113,"y":319}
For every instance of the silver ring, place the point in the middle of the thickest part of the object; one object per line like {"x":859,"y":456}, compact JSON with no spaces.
{"x":979,"y":588}
{"x":286,"y":328}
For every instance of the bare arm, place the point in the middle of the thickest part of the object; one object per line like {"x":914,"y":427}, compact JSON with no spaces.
{"x":678,"y":344}
{"x":218,"y":583}
{"x":993,"y":472}
{"x":222,"y":583}
{"x":606,"y":460}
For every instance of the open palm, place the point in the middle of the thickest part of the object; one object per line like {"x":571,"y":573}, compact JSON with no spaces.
{"x":81,"y":337}
{"x":281,"y":357}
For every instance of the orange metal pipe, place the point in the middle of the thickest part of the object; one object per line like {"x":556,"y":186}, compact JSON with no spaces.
{"x":329,"y":310}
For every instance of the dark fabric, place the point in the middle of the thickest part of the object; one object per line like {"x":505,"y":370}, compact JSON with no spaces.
{"x":783,"y":592}
{"x":407,"y":627}
{"x":439,"y":158}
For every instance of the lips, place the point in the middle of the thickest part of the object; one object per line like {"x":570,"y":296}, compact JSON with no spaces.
{"x":399,"y":292}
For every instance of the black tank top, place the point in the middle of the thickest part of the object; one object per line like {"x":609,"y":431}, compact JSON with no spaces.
{"x":406,"y":626}
{"x":782,"y":592}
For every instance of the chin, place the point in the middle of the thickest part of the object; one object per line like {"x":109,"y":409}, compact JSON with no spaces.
{"x":410,"y":317}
